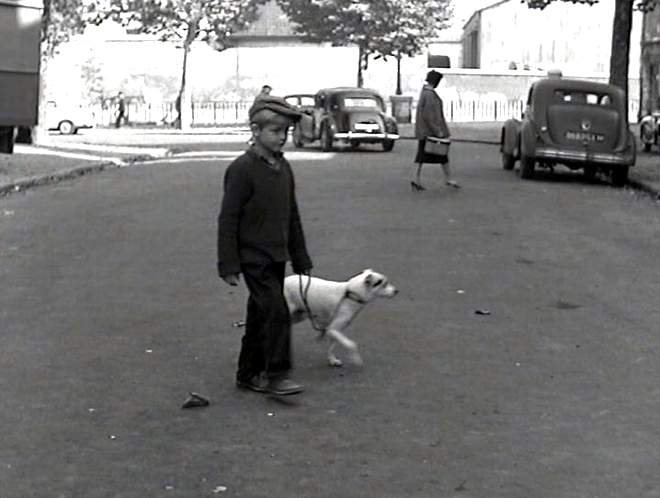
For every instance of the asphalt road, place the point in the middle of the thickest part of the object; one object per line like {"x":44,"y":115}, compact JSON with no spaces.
{"x":111,"y":312}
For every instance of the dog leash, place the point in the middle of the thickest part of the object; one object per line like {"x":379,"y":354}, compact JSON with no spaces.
{"x":303,"y":295}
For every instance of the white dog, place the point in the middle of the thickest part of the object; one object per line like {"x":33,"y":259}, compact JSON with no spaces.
{"x":333,"y":305}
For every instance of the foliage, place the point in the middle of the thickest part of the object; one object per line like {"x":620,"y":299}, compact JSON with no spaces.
{"x":62,"y":19}
{"x":212,"y":21}
{"x":643,"y":5}
{"x":383,"y":28}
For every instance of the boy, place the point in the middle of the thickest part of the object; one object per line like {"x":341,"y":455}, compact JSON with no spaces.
{"x":259,"y":230}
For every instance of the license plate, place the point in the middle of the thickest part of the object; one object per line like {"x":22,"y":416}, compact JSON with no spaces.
{"x":585,"y":136}
{"x":368,"y":127}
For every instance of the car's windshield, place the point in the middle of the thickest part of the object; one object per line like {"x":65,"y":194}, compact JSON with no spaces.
{"x":582,"y":97}
{"x":361,"y":101}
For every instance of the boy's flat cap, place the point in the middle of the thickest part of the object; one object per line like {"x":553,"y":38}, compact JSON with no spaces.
{"x":274,"y":104}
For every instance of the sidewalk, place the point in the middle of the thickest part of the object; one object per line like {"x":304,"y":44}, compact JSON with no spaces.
{"x":71,"y":156}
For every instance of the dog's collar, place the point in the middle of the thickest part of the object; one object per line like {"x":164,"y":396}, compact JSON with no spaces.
{"x":354,"y":296}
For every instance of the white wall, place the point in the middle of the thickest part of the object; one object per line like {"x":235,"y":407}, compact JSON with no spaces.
{"x":573,"y":37}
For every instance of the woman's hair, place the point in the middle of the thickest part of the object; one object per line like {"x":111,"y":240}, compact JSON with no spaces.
{"x":433,"y":77}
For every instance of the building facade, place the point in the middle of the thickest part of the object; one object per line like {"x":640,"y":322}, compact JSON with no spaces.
{"x":574,"y":38}
{"x":650,"y":63}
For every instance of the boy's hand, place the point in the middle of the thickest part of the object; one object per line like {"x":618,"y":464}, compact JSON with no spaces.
{"x":231,"y":279}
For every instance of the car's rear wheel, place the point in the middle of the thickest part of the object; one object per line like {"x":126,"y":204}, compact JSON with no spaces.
{"x":66,"y":128}
{"x":590,"y":173}
{"x":620,"y":176}
{"x":526,"y":167}
{"x":354,"y":145}
{"x":388,"y":145}
{"x":508,"y":161}
{"x":646,"y":146}
{"x":326,"y":138}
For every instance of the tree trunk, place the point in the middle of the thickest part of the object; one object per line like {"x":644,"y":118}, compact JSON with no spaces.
{"x":40,"y":132}
{"x":620,"y":56}
{"x":398,"y":74}
{"x":184,"y":104}
{"x":360,"y":79}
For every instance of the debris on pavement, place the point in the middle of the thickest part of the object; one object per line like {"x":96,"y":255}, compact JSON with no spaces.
{"x":460,"y":291}
{"x":148,"y":351}
{"x":220,"y":489}
{"x":238,"y":323}
{"x":565,"y":305}
{"x":461,"y":487}
{"x":195,"y":401}
{"x":482,"y":312}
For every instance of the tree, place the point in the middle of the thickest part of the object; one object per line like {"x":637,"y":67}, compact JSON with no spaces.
{"x":60,"y":20}
{"x":384,"y":28}
{"x":410,"y":29}
{"x":621,"y":28}
{"x":186,"y":21}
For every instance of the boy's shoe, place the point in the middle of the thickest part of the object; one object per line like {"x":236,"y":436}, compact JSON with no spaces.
{"x":256,"y":383}
{"x":452,"y":183}
{"x":283,"y":386}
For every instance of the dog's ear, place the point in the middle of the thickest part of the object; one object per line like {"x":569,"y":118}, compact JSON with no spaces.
{"x":368,"y":280}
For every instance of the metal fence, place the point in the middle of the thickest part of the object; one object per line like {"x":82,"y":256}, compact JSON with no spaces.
{"x":216,"y":113}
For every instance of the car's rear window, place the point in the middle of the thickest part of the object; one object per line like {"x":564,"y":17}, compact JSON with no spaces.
{"x":369,"y":102}
{"x":582,"y":97}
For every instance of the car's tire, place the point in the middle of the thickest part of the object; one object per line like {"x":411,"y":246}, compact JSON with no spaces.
{"x":508,"y":161}
{"x":66,"y":128}
{"x":620,"y":176}
{"x":297,"y":139}
{"x":326,"y":138}
{"x":589,"y":173}
{"x":354,"y":144}
{"x":526,"y":167}
{"x":388,"y":145}
{"x":7,"y":139}
{"x":646,"y":147}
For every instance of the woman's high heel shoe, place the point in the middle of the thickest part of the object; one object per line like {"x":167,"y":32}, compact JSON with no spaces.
{"x":416,"y":186}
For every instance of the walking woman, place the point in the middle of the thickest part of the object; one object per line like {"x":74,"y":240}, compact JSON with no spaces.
{"x":430,"y":122}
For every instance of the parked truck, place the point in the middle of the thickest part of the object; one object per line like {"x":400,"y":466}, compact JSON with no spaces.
{"x":20,"y":39}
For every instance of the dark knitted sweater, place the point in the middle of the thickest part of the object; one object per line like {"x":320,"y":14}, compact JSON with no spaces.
{"x":259,"y":220}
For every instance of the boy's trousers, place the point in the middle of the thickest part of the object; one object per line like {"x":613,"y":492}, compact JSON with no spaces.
{"x":266,"y":345}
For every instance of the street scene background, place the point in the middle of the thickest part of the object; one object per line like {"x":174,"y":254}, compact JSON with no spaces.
{"x":517,"y":360}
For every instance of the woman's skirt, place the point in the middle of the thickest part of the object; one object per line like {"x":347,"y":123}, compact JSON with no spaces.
{"x":425,"y":157}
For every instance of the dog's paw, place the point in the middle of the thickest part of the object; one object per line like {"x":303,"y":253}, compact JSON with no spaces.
{"x":356,"y":359}
{"x":333,"y":361}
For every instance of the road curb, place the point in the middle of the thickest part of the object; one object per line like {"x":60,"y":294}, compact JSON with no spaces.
{"x":644,"y":187}
{"x":31,"y":182}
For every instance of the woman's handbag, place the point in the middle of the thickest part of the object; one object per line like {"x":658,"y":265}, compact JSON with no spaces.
{"x":437,"y":146}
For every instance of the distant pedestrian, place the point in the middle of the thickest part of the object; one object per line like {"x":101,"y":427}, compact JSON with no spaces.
{"x":430,"y":122}
{"x":121,"y":110}
{"x":265,"y":92}
{"x":259,"y":230}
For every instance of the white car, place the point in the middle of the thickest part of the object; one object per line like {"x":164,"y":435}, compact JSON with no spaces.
{"x":68,"y":119}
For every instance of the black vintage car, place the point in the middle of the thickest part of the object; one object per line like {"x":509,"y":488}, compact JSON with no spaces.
{"x":580,"y":124}
{"x":352,"y":116}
